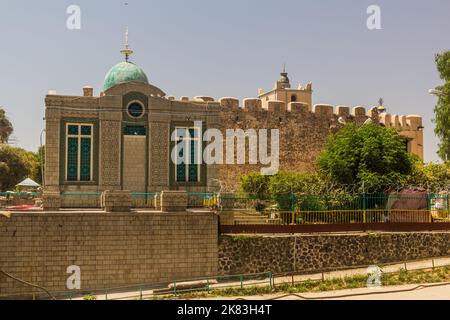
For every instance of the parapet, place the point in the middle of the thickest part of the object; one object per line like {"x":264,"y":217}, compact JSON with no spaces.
{"x":88,"y":91}
{"x":297,"y":107}
{"x":323,"y":109}
{"x":203,"y":99}
{"x":252,"y":104}
{"x":308,"y":87}
{"x":276,"y":106}
{"x":342,"y":111}
{"x":404,"y":123}
{"x":415,"y":122}
{"x":358,"y":111}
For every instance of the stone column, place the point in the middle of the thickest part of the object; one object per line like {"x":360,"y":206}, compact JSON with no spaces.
{"x":174,"y":201}
{"x":52,"y":144}
{"x":51,"y":200}
{"x":110,"y":144}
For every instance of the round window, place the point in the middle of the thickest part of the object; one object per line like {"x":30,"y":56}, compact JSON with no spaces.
{"x":135,"y":110}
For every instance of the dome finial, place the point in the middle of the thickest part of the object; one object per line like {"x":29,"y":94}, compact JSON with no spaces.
{"x":127,"y":52}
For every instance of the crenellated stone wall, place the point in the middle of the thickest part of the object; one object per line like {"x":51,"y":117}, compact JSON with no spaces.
{"x":304,"y":130}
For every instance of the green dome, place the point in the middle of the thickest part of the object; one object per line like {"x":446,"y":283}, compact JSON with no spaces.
{"x":122,"y":73}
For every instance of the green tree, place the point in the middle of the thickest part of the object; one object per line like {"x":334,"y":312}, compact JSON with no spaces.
{"x":15,"y":165}
{"x":6,"y":128}
{"x":430,"y":175}
{"x":282,"y":184}
{"x":295,"y":182}
{"x":442,"y":109}
{"x":370,"y":155}
{"x":255,"y":184}
{"x":40,"y":166}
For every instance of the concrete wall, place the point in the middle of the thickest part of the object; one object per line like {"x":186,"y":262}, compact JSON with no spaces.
{"x":297,"y":253}
{"x":111,"y":249}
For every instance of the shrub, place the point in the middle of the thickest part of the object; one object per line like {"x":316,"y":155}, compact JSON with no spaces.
{"x":370,"y":155}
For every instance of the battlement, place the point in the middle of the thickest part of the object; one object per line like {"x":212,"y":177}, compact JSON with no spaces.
{"x":403,"y":123}
{"x":255,"y":105}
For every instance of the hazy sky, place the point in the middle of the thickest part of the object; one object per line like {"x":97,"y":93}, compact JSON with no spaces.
{"x":225,"y":48}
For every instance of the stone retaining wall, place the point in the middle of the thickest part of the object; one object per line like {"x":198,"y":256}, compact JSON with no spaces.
{"x":112,"y":249}
{"x":296,"y":253}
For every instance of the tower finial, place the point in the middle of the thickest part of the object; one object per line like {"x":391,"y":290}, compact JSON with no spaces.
{"x":127,"y":52}
{"x":284,"y":80}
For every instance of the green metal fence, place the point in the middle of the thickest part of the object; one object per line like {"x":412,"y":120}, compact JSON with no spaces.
{"x":202,"y":200}
{"x":82,"y":200}
{"x":142,"y":200}
{"x":162,"y":290}
{"x":17,"y":199}
{"x":11,"y":194}
{"x":344,"y":208}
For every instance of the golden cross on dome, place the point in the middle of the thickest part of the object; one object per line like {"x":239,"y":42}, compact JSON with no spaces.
{"x":127,"y":52}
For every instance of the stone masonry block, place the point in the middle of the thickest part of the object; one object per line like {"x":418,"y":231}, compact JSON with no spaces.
{"x":252,"y":104}
{"x":51,"y":200}
{"x":232,"y":103}
{"x":324,"y":109}
{"x":116,"y":201}
{"x":343,"y":111}
{"x":276,"y":106}
{"x":298,"y":107}
{"x":174,"y":201}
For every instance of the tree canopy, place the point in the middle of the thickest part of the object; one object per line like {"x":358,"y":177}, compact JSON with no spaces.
{"x":371,"y":155}
{"x":442,"y":109}
{"x":16,"y":165}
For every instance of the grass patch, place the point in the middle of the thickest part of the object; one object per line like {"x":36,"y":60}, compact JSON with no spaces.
{"x":245,"y":237}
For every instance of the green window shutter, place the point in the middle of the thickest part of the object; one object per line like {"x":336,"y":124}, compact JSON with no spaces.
{"x":135,"y":131}
{"x":73,"y":130}
{"x":85,"y":159}
{"x":193,"y":166}
{"x":72,"y":159}
{"x":181,"y":167}
{"x":86,"y":130}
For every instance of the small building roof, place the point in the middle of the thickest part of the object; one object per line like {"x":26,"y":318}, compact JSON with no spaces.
{"x":29,"y":183}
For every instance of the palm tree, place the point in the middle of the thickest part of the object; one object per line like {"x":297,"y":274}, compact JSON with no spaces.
{"x":6,"y":128}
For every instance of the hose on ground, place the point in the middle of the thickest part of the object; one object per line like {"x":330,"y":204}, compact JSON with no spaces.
{"x":422,"y":286}
{"x":28,"y":284}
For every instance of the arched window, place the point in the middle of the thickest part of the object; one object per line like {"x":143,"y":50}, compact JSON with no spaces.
{"x":293,"y":98}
